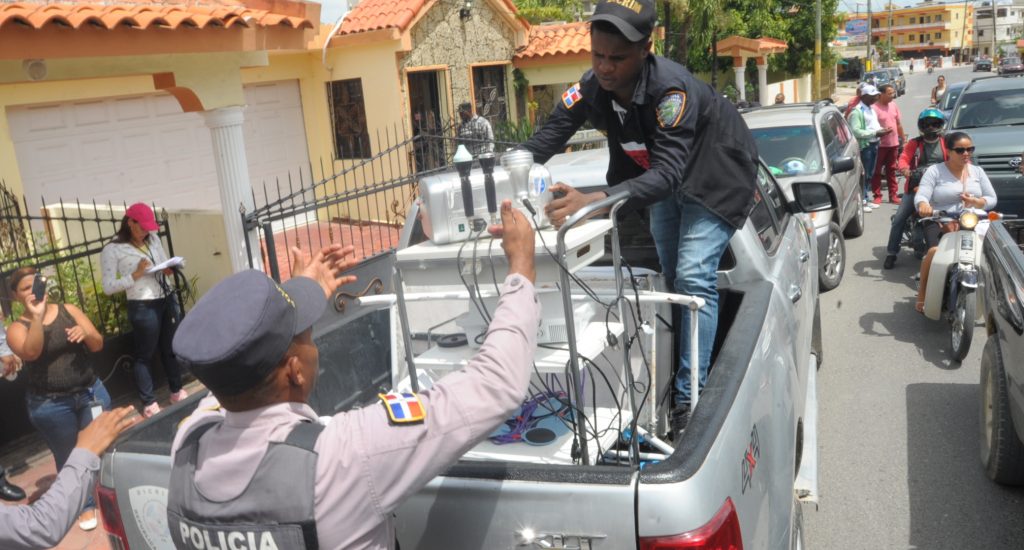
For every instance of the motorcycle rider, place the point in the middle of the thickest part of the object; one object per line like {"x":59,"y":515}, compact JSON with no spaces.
{"x":952,"y":186}
{"x":918,"y":154}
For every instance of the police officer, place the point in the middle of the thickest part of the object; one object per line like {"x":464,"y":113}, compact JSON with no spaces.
{"x":675,"y":145}
{"x":253,"y":469}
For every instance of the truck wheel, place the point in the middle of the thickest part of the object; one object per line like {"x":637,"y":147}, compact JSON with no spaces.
{"x":796,"y":539}
{"x":830,"y":268}
{"x":1002,"y":453}
{"x":855,"y":227}
{"x":961,"y":326}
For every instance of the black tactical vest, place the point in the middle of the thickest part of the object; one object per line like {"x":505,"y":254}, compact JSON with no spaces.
{"x":274,"y":512}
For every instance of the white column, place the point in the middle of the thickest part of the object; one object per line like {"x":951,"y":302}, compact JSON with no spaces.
{"x":225,"y":126}
{"x":804,"y":87}
{"x":766,"y":97}
{"x":741,"y":84}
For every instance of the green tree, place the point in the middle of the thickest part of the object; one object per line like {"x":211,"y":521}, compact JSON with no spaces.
{"x":539,"y":11}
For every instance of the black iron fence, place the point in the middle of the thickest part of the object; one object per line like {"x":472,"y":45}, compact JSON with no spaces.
{"x":64,"y":242}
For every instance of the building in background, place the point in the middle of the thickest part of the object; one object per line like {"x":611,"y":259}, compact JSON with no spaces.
{"x":1001,"y":34}
{"x":926,"y":29}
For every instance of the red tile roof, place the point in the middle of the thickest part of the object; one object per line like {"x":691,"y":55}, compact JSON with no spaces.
{"x":561,"y":39}
{"x":371,"y":15}
{"x":143,"y":14}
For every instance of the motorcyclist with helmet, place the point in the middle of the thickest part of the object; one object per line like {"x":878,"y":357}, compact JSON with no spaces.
{"x":918,"y":154}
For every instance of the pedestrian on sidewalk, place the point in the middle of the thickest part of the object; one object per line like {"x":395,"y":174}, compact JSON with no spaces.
{"x":890,"y":119}
{"x":867,"y":130}
{"x":153,"y":309}
{"x":11,"y":365}
{"x":64,"y":394}
{"x":44,"y":523}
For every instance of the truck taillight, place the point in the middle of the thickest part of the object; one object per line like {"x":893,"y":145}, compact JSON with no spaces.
{"x":111,"y":517}
{"x":721,"y":533}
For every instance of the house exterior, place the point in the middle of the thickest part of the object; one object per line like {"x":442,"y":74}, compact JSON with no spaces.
{"x":925,"y":29}
{"x":554,"y":58}
{"x":999,"y":35}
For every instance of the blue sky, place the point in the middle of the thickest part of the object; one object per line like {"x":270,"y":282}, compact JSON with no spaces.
{"x":331,"y":10}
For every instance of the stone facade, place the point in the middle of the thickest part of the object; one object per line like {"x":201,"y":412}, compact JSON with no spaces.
{"x":442,"y":38}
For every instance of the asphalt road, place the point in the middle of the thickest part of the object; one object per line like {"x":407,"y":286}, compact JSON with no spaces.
{"x":898,"y":434}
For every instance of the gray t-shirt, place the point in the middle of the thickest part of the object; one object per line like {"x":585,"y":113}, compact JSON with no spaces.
{"x":941,"y":188}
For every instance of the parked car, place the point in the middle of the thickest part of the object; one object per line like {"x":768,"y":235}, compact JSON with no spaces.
{"x":897,"y":79}
{"x":766,"y":360}
{"x":1002,"y":371}
{"x":983,"y":64}
{"x":801,"y":140}
{"x":948,"y":100}
{"x":991,"y":110}
{"x":878,"y":77}
{"x":1010,"y":65}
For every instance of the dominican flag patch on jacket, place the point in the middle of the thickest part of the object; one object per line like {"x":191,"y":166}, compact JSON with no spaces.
{"x":403,"y":408}
{"x":572,"y":96}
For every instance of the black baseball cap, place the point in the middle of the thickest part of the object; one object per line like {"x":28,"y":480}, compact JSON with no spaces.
{"x":242,"y":327}
{"x":634,"y":18}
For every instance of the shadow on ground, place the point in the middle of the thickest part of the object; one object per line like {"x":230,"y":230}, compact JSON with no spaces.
{"x":952,"y":504}
{"x":931,"y":338}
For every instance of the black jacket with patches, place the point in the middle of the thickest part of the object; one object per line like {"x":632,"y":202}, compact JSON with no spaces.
{"x":708,"y":156}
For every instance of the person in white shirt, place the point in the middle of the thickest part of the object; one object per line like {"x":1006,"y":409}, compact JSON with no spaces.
{"x":152,"y":306}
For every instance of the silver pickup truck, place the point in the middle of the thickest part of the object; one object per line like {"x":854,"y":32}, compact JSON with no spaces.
{"x":734,"y":480}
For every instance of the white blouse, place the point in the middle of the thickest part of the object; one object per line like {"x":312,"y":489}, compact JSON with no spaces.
{"x":119,"y":260}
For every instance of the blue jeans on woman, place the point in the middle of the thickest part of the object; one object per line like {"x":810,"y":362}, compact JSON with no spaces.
{"x":59,"y":418}
{"x":690,"y":240}
{"x":153,"y":325}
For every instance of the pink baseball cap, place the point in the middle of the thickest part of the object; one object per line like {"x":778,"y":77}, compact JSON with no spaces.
{"x":143,"y":214}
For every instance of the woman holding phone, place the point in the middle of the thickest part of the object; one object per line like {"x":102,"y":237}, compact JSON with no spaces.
{"x":64,"y":394}
{"x":152,"y":306}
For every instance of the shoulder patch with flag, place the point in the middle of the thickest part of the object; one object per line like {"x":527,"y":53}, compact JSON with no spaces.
{"x":572,"y":96}
{"x":671,"y":108}
{"x":403,"y":408}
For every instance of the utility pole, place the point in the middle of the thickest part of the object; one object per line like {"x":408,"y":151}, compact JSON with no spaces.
{"x":963,"y":33}
{"x":993,"y":3}
{"x":817,"y":49}
{"x":867,"y":58}
{"x":892,"y":48}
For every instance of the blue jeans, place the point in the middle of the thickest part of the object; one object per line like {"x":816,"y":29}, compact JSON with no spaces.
{"x":868,"y":156}
{"x":153,"y":325}
{"x":903,"y":213}
{"x":690,"y":240}
{"x":59,"y":418}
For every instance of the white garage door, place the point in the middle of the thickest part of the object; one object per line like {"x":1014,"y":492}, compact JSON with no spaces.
{"x":144,"y":148}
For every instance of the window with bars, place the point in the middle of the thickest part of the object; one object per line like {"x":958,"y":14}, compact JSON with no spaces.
{"x":348,"y":119}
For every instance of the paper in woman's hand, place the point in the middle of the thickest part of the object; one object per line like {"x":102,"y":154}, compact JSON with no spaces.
{"x":173,"y":262}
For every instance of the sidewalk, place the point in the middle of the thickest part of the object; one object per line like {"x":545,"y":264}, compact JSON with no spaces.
{"x":41,"y":472}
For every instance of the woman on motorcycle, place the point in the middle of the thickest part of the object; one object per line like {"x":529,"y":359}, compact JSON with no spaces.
{"x":919,"y":153}
{"x":953,"y":186}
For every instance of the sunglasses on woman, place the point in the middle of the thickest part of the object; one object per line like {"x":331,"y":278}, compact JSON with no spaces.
{"x":962,"y":150}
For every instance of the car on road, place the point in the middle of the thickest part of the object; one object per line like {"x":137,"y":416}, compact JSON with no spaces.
{"x":812,"y":140}
{"x":991,"y":110}
{"x":878,"y":77}
{"x":1002,"y":371}
{"x":982,"y":64}
{"x":948,"y":100}
{"x":1010,"y":65}
{"x":897,"y":79}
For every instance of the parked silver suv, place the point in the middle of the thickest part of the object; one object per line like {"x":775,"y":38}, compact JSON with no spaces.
{"x":812,"y":141}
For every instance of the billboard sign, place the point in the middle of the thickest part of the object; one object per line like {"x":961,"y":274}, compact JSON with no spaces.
{"x":857,"y":32}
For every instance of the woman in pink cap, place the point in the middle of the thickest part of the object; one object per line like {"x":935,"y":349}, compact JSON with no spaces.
{"x":152,"y":307}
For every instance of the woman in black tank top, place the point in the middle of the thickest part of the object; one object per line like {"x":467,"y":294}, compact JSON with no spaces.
{"x":55,"y":341}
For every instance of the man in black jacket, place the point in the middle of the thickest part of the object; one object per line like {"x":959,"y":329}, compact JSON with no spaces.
{"x":676,"y":145}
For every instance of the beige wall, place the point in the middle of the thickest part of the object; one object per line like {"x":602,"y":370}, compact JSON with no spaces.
{"x":442,"y":38}
{"x":198,"y":236}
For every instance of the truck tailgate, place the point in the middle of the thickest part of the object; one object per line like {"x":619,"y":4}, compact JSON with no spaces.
{"x":469,"y":513}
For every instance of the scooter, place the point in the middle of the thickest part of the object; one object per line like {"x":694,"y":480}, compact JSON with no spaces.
{"x":930,"y":69}
{"x":952,"y":292}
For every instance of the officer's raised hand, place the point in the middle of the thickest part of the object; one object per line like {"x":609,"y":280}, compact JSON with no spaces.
{"x":569,"y":202}
{"x":326,"y":266}
{"x":516,"y":235}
